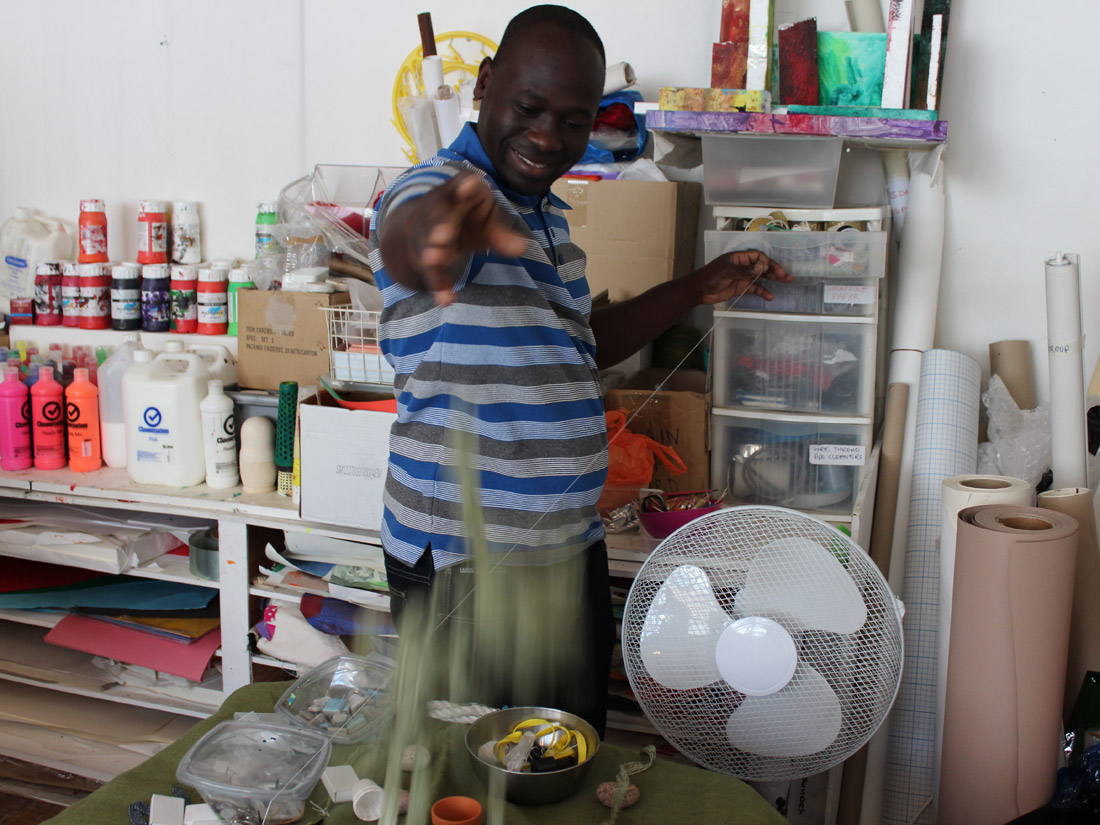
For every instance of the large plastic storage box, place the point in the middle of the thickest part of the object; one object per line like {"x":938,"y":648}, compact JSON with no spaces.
{"x":836,"y":273}
{"x":771,"y":170}
{"x":796,"y":363}
{"x":805,"y":463}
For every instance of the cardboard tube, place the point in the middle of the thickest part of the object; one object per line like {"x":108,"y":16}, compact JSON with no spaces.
{"x":1010,"y":623}
{"x":1084,"y":631}
{"x":959,"y":493}
{"x":1011,"y":360}
{"x":1068,"y":444}
{"x":617,"y":77}
{"x":889,"y":471}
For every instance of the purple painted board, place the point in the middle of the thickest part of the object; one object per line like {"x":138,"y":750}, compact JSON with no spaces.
{"x":931,"y":131}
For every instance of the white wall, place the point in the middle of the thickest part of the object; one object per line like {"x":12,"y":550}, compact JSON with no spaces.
{"x":225,"y":102}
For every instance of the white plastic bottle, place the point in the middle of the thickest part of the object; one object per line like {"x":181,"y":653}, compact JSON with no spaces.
{"x":219,"y":437}
{"x":112,"y":413}
{"x":163,"y":420}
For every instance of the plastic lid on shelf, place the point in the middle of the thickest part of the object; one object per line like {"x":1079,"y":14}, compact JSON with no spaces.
{"x":92,"y":205}
{"x":267,"y":206}
{"x":213,"y":274}
{"x":155,"y":207}
{"x":154,"y":271}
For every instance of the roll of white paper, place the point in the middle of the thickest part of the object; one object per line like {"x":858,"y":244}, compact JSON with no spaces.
{"x":1068,"y":442}
{"x":618,"y":77}
{"x":960,"y":492}
{"x":366,"y":800}
{"x":431,"y":74}
{"x":447,"y":119}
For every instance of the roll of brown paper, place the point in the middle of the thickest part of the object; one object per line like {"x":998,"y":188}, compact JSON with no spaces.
{"x":889,"y":470}
{"x":1011,"y":360}
{"x":1084,"y":629}
{"x":1010,"y":620}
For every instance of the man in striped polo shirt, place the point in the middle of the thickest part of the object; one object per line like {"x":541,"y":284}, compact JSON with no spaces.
{"x":488,"y":324}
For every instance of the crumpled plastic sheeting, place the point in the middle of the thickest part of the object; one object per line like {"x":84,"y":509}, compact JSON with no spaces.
{"x":1019,"y":440}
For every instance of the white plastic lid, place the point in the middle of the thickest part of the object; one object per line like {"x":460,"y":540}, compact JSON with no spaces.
{"x":179,"y":207}
{"x":154,"y":271}
{"x":23,"y":212}
{"x":214,"y":386}
{"x":156,"y":207}
{"x":80,"y":374}
{"x":267,"y":206}
{"x":47,"y":268}
{"x":92,"y":270}
{"x":239,"y":275}
{"x":126,"y":270}
{"x":173,"y":346}
{"x":45,"y":371}
{"x":216,"y":274}
{"x":68,"y":268}
{"x":11,"y":373}
{"x":184,"y":272}
{"x":92,"y":205}
{"x":143,"y":355}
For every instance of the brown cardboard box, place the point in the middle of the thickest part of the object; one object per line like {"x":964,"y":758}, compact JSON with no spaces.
{"x":636,"y":234}
{"x":678,"y":416}
{"x":282,"y":336}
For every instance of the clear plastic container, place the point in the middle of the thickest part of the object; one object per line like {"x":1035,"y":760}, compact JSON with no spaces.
{"x":253,"y":772}
{"x":771,"y":170}
{"x":836,"y":273}
{"x":805,"y":463}
{"x":346,"y":698}
{"x":815,"y":365}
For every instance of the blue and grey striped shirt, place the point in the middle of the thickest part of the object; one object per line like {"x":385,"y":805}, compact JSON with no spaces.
{"x":511,"y":362}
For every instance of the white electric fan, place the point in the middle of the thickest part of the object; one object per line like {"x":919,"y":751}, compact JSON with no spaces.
{"x":762,"y":643}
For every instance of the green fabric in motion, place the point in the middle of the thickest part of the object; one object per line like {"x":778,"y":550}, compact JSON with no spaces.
{"x":670,"y":792}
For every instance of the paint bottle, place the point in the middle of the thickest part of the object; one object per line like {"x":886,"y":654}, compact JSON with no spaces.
{"x":112,"y":414}
{"x":70,"y":295}
{"x":93,"y":232}
{"x":219,"y":437}
{"x":152,"y":232}
{"x":48,"y":420}
{"x":184,"y":298}
{"x":163,"y":420}
{"x":239,"y":278}
{"x":186,"y":233}
{"x":95,"y":296}
{"x":213,"y":299}
{"x":154,"y":298}
{"x":15,"y":424}
{"x":266,"y":219}
{"x":126,"y":296}
{"x":82,"y":416}
{"x":47,"y":294}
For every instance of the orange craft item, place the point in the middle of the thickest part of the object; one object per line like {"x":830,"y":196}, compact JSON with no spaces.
{"x":631,"y":459}
{"x":93,"y":232}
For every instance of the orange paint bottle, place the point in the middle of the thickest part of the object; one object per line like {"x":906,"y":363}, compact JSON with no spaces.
{"x":82,"y":409}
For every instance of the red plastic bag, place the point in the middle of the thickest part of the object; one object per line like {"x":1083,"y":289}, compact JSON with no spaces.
{"x":631,"y":459}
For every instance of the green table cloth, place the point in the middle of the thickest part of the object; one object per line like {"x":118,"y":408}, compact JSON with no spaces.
{"x":670,"y":792}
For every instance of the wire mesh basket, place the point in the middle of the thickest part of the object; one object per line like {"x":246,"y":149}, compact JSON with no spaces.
{"x":354,"y":354}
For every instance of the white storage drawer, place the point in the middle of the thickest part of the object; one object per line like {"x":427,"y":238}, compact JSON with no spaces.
{"x":805,"y":463}
{"x":794,"y":363}
{"x":836,"y":273}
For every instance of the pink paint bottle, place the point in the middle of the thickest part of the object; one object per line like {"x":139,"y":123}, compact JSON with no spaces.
{"x":15,"y":422}
{"x":48,"y":418}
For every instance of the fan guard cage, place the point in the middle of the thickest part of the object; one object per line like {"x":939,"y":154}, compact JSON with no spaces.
{"x":863,"y":668}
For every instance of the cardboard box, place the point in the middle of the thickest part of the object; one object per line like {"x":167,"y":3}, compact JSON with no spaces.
{"x":282,"y":336}
{"x":678,"y":417}
{"x":344,"y":454}
{"x":636,"y":234}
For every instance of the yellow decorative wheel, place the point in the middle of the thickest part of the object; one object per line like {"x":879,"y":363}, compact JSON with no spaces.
{"x":462,"y":53}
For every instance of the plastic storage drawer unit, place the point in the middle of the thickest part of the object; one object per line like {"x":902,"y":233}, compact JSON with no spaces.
{"x":836,"y":273}
{"x":805,"y":463}
{"x":771,"y":170}
{"x":794,"y":363}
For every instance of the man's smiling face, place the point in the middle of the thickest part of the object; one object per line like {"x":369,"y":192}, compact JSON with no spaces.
{"x":538,"y":106}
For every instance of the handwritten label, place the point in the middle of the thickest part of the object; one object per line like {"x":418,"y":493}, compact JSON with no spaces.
{"x":849,"y":294}
{"x":848,"y":455}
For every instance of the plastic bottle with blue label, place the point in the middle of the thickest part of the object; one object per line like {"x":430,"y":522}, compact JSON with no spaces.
{"x":161,"y":397}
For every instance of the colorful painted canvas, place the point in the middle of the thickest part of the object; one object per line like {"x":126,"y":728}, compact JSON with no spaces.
{"x":850,"y":66}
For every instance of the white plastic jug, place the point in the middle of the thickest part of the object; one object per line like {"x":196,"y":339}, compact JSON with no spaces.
{"x":161,"y":398}
{"x":112,"y":413}
{"x":27,"y":239}
{"x":219,"y":361}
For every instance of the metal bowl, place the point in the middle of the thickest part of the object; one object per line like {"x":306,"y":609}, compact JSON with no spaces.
{"x":529,"y":788}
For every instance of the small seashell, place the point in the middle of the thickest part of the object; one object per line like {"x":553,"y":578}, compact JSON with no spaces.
{"x":605,"y":792}
{"x":415,"y":758}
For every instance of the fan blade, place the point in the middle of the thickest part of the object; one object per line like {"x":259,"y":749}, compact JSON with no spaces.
{"x":796,"y":580}
{"x":800,"y":720}
{"x":681,"y":630}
